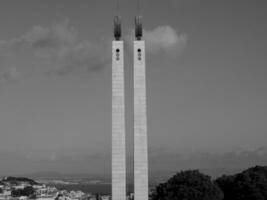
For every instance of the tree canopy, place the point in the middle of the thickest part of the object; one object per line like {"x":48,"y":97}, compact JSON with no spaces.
{"x":27,"y":191}
{"x":16,"y":180}
{"x":188,"y":185}
{"x":250,"y":184}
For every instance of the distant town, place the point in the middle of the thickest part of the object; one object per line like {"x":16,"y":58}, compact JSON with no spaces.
{"x":249,"y":184}
{"x":20,"y":188}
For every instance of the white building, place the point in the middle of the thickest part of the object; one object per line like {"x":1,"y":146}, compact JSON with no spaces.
{"x":23,"y":198}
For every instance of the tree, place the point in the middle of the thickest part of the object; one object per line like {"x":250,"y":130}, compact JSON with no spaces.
{"x":16,"y":180}
{"x":226,"y":183}
{"x":27,"y":191}
{"x":188,"y":185}
{"x":250,"y":184}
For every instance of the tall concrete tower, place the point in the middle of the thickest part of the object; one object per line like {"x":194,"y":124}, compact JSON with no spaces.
{"x":118,"y":116}
{"x":140,"y":116}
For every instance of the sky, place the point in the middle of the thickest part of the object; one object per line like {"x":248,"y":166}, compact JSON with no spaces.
{"x":206,"y":82}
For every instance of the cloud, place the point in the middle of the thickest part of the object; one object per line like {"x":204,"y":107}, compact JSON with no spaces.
{"x":164,"y":39}
{"x":57,"y":50}
{"x":10,"y":74}
{"x":51,"y":50}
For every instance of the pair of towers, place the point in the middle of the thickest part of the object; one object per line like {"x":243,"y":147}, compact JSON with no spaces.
{"x":118,"y":116}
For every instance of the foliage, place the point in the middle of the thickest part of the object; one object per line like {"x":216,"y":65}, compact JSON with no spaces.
{"x":250,"y":184}
{"x":188,"y":185}
{"x":33,"y":196}
{"x":27,"y":191}
{"x":15,"y":180}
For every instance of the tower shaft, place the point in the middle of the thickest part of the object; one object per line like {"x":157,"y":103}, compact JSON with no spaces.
{"x":140,"y":124}
{"x":118,"y":123}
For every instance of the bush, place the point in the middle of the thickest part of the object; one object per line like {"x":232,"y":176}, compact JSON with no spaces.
{"x":27,"y":191}
{"x":16,"y":180}
{"x":250,"y":184}
{"x":189,"y":185}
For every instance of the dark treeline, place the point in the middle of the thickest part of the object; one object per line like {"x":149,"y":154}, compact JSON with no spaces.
{"x":27,"y":191}
{"x":250,"y":184}
{"x":17,"y":180}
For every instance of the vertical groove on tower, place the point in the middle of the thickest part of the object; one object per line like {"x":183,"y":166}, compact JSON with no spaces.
{"x":118,"y":123}
{"x":140,"y":124}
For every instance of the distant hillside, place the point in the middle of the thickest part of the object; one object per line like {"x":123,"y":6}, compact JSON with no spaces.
{"x":45,"y":174}
{"x":16,"y":180}
{"x":163,"y":175}
{"x":58,"y":175}
{"x":155,"y":176}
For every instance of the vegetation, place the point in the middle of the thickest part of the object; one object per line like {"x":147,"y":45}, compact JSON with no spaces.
{"x":58,"y":196}
{"x":15,"y":180}
{"x":189,"y":185}
{"x":250,"y":184}
{"x":27,"y":191}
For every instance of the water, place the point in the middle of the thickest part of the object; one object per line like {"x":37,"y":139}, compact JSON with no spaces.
{"x":87,"y":188}
{"x":103,"y":188}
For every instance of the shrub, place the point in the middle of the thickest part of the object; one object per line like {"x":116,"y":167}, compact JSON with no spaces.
{"x":189,"y":185}
{"x":250,"y":184}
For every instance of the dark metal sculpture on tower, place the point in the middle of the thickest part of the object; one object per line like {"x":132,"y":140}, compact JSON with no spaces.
{"x":117,"y":28}
{"x":138,"y":28}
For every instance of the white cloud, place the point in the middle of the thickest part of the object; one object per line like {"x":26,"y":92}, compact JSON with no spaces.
{"x":164,"y":39}
{"x":10,"y":74}
{"x":51,"y":50}
{"x":58,"y":50}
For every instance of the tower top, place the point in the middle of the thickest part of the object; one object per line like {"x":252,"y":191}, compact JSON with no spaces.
{"x":138,"y":28}
{"x":117,"y":27}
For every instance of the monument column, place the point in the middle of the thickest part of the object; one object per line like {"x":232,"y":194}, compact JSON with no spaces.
{"x":140,"y":117}
{"x":118,"y":117}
